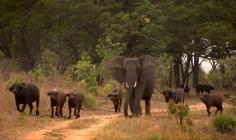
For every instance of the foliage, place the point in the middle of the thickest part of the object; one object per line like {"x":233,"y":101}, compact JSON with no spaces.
{"x":110,"y":85}
{"x":224,"y":123}
{"x":84,"y":70}
{"x":10,"y":82}
{"x":48,"y":62}
{"x":37,"y":74}
{"x":180,"y":111}
{"x":89,"y":101}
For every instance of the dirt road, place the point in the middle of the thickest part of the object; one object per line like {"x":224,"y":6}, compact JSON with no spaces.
{"x":86,"y":128}
{"x":82,"y":129}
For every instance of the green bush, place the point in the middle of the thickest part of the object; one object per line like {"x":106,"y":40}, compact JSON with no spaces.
{"x":36,"y":74}
{"x":90,"y":101}
{"x":109,"y":86}
{"x":84,"y":70}
{"x":48,"y":62}
{"x":9,"y":83}
{"x":180,"y":111}
{"x":224,"y":123}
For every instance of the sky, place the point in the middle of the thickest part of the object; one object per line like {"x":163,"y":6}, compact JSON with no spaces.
{"x":206,"y":66}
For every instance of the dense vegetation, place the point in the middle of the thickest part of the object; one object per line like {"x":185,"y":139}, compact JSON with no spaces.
{"x":48,"y":37}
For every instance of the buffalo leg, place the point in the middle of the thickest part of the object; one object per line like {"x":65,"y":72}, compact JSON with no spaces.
{"x":57,"y":108}
{"x":31,"y":107}
{"x":52,"y":109}
{"x":78,"y":111}
{"x":37,"y":107}
{"x":208,"y":111}
{"x":147,"y":107}
{"x":69,"y":112}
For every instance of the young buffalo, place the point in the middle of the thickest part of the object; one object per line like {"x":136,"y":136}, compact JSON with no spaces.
{"x":57,"y":99}
{"x":25,"y":93}
{"x":213,"y":100}
{"x":116,"y":98}
{"x":75,"y":101}
{"x":176,"y":95}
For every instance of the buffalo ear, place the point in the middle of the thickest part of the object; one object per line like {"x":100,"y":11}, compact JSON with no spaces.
{"x":148,"y":65}
{"x":22,"y":85}
{"x":11,"y":88}
{"x":116,"y":69}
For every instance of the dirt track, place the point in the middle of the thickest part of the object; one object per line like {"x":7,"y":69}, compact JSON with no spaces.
{"x":86,"y":127}
{"x":63,"y":130}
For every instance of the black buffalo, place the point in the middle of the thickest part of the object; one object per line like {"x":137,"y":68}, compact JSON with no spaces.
{"x":25,"y":93}
{"x":200,"y":88}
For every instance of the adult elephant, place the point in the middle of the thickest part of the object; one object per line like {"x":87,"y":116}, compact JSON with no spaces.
{"x":138,"y":74}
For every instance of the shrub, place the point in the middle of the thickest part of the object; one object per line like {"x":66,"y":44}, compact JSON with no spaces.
{"x":180,"y":111}
{"x":48,"y":62}
{"x":110,"y":85}
{"x":9,"y":83}
{"x":36,"y":74}
{"x":224,"y":123}
{"x":84,"y":70}
{"x":90,"y":101}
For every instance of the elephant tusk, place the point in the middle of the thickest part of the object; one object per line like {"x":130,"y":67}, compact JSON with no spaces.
{"x":135,"y":84}
{"x":126,"y":84}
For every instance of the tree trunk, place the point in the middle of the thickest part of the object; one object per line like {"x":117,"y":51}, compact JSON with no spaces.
{"x":186,"y":71}
{"x":177,"y":61}
{"x":195,"y":67}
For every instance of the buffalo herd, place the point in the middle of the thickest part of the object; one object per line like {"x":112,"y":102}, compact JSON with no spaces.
{"x":26,"y":94}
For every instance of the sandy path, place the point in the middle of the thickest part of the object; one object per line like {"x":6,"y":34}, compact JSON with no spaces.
{"x":62,"y":130}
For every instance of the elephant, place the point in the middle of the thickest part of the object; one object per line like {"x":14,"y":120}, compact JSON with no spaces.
{"x":138,"y":76}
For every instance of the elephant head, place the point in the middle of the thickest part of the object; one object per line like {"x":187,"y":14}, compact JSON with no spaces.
{"x":133,"y":72}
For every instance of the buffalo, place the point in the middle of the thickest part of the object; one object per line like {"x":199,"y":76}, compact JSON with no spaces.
{"x":200,"y":88}
{"x":26,"y":93}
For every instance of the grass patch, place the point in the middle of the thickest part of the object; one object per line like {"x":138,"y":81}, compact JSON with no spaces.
{"x":224,"y":123}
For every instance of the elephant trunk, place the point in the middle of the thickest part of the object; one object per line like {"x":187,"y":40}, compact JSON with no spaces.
{"x":127,"y":101}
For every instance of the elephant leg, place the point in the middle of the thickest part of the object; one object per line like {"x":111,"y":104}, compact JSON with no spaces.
{"x":31,"y":108}
{"x":131,"y":104}
{"x":147,"y":107}
{"x":127,"y":102}
{"x":140,"y":110}
{"x":137,"y":105}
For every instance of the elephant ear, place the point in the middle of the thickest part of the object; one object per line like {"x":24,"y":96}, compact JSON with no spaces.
{"x":115,"y":68}
{"x":148,"y":66}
